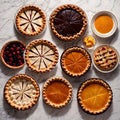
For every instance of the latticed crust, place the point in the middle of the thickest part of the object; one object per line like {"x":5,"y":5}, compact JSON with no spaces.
{"x":30,"y":7}
{"x":41,"y":42}
{"x":80,"y":50}
{"x":76,"y":8}
{"x":10,"y":100}
{"x":86,"y":83}
{"x":2,"y":51}
{"x":51,"y":80}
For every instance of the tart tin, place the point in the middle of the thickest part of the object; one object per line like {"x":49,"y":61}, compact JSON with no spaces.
{"x":115,"y":24}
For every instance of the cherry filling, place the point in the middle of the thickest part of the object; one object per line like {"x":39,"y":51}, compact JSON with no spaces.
{"x":13,"y":54}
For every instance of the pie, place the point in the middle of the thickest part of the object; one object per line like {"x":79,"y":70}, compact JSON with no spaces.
{"x":41,"y":55}
{"x":68,"y":22}
{"x":57,"y":92}
{"x":12,"y":54}
{"x":75,"y":61}
{"x":94,"y":96}
{"x":30,"y":20}
{"x":21,"y":92}
{"x":105,"y":58}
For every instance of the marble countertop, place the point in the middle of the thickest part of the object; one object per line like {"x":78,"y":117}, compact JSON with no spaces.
{"x":41,"y":111}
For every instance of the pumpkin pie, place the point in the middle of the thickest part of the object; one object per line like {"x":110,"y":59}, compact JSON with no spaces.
{"x":94,"y":96}
{"x":30,"y":20}
{"x":68,"y":22}
{"x":75,"y":61}
{"x":12,"y":54}
{"x":41,"y":55}
{"x":57,"y":92}
{"x":21,"y":92}
{"x":105,"y":58}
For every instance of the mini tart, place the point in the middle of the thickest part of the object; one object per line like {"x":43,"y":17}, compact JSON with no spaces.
{"x":12,"y":54}
{"x":41,"y":55}
{"x":57,"y":92}
{"x":68,"y":22}
{"x":94,"y":96}
{"x":30,"y":20}
{"x":75,"y":61}
{"x":105,"y":58}
{"x":21,"y":92}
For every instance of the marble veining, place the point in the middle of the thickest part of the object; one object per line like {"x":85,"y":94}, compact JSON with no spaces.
{"x":41,"y":111}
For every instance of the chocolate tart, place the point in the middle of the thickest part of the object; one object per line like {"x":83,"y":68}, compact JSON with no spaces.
{"x":75,"y":61}
{"x":12,"y":54}
{"x":57,"y":92}
{"x":68,"y":22}
{"x":94,"y":96}
{"x":105,"y":58}
{"x":21,"y":92}
{"x":41,"y":55}
{"x":30,"y":20}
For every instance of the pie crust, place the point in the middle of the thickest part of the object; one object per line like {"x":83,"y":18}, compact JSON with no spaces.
{"x":41,"y":55}
{"x":94,"y":96}
{"x":21,"y":92}
{"x":57,"y":92}
{"x":30,"y":20}
{"x":75,"y":61}
{"x":68,"y":22}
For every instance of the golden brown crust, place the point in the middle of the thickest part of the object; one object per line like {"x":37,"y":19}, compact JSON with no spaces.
{"x":85,"y":84}
{"x":48,"y":44}
{"x":80,"y":50}
{"x":47,"y":83}
{"x":2,"y":51}
{"x":8,"y":93}
{"x":76,"y":8}
{"x":30,"y":7}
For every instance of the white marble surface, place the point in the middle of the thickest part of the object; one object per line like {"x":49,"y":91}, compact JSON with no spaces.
{"x":41,"y":111}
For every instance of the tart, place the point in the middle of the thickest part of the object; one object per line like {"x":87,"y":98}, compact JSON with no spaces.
{"x":21,"y":92}
{"x":75,"y":61}
{"x":57,"y":92}
{"x":94,"y":96}
{"x":68,"y":22}
{"x":105,"y":58}
{"x":12,"y":54}
{"x":30,"y":20}
{"x":41,"y":55}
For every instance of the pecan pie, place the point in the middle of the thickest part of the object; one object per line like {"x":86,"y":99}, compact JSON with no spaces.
{"x":75,"y":61}
{"x":57,"y":92}
{"x":94,"y":96}
{"x":21,"y":92}
{"x":68,"y":22}
{"x":30,"y":20}
{"x":41,"y":55}
{"x":105,"y":58}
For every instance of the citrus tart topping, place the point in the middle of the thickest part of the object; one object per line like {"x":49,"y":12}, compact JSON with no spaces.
{"x":75,"y":61}
{"x":12,"y":54}
{"x":105,"y":58}
{"x":30,"y":20}
{"x":57,"y":92}
{"x":68,"y":22}
{"x":41,"y":55}
{"x":21,"y":92}
{"x":94,"y":96}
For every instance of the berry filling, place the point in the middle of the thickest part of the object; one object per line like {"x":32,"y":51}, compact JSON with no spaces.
{"x":13,"y":54}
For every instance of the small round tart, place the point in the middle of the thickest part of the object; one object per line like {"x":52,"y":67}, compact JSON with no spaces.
{"x":68,"y":22}
{"x":30,"y":20}
{"x":94,"y":96}
{"x":105,"y":58}
{"x":57,"y":92}
{"x":41,"y":55}
{"x":12,"y":54}
{"x":75,"y":61}
{"x":21,"y":92}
